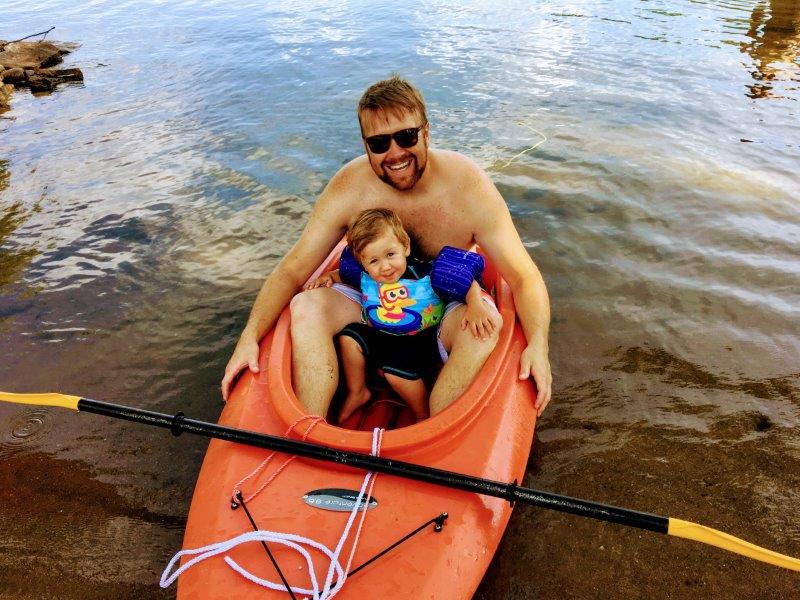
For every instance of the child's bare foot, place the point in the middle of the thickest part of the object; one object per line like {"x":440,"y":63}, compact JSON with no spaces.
{"x":353,"y":402}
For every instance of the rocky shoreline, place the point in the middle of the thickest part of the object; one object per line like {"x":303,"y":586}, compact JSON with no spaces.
{"x":30,"y":65}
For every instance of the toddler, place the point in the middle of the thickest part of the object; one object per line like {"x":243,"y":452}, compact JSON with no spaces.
{"x":399,"y":311}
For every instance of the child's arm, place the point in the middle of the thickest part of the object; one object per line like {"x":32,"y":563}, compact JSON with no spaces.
{"x":479,"y":317}
{"x":325,"y":280}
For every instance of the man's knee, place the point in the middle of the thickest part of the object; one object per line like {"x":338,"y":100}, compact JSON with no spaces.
{"x":458,"y":337}
{"x":495,"y":335}
{"x":322,"y":309}
{"x":306,"y":306}
{"x":485,"y":346}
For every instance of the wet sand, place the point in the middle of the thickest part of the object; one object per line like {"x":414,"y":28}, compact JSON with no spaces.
{"x":710,"y":483}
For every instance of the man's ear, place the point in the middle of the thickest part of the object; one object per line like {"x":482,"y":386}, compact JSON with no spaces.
{"x":407,"y":250}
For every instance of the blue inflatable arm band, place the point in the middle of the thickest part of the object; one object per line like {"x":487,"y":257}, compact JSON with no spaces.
{"x":454,"y":271}
{"x":350,"y":269}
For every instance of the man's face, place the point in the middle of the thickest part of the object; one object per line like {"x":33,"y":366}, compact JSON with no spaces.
{"x":399,"y":167}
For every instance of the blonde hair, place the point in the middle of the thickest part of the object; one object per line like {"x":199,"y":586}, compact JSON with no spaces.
{"x":369,"y":224}
{"x":393,"y":95}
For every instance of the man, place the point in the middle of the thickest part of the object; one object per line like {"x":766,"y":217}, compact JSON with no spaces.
{"x":443,"y":199}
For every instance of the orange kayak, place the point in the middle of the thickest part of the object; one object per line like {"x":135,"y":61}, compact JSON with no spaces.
{"x":487,"y":432}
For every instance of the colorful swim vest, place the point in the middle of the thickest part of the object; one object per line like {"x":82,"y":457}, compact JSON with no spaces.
{"x":411,"y":305}
{"x":404,"y":307}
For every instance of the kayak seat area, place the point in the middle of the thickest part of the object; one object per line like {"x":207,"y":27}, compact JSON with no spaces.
{"x":386,"y":413}
{"x":385,"y":409}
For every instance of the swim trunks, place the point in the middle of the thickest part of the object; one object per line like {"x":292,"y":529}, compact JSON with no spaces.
{"x":407,"y":356}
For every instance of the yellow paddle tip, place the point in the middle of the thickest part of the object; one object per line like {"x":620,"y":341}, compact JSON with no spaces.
{"x":48,"y":399}
{"x":720,"y":539}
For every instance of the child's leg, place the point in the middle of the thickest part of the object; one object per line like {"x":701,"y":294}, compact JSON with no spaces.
{"x":354,"y":366}
{"x":413,"y":391}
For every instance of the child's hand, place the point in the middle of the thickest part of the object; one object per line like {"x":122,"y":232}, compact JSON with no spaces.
{"x":480,"y":319}
{"x":325,"y":280}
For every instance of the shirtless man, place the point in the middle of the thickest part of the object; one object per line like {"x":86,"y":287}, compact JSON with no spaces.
{"x":443,"y":199}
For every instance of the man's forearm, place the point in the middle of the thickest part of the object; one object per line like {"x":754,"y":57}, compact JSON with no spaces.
{"x":533,"y":308}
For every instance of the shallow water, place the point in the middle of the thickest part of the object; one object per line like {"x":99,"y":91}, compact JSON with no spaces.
{"x":140,"y":212}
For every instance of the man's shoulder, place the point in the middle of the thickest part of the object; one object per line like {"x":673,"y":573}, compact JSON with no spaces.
{"x":455,"y":160}
{"x":357,"y":168}
{"x":460,"y":170}
{"x":350,"y":181}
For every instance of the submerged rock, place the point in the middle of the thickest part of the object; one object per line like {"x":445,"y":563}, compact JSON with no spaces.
{"x":27,"y":64}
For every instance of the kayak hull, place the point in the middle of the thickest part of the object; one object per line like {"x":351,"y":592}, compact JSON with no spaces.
{"x":486,"y":433}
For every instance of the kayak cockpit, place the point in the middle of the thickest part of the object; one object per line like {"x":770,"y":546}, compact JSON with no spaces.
{"x":387,"y":410}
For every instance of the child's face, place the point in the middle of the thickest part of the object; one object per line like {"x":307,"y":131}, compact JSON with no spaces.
{"x":384,"y":258}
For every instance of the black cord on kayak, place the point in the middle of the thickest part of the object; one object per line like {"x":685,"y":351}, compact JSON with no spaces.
{"x":439,"y":523}
{"x":240,"y":498}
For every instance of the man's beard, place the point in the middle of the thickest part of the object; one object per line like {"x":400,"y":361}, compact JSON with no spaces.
{"x":418,"y":171}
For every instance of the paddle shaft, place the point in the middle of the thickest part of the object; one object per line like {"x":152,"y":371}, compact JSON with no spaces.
{"x":507,"y":491}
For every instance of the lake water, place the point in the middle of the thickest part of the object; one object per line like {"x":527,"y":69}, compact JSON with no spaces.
{"x":140,"y":212}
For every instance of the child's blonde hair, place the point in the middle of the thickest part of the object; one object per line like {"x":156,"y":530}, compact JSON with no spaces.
{"x":370,"y":224}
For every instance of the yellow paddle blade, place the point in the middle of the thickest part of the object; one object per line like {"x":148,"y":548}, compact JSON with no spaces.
{"x":52,"y":399}
{"x":713,"y":537}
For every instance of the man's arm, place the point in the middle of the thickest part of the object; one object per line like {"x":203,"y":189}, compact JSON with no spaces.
{"x":495,"y":232}
{"x":324,"y":229}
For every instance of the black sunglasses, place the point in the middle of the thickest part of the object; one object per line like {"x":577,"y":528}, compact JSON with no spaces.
{"x":405,"y":138}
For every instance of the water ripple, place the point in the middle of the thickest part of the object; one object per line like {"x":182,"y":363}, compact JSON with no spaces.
{"x":24,"y":429}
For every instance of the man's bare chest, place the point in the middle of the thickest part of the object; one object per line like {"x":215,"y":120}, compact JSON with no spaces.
{"x":435,"y":226}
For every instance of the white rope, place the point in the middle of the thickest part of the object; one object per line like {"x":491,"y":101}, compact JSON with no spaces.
{"x":292,"y":541}
{"x":377,"y":435}
{"x":285,"y":539}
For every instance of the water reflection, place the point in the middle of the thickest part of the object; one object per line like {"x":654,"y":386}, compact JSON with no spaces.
{"x":775,"y":45}
{"x":12,"y":261}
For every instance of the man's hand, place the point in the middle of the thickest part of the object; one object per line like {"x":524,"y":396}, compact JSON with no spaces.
{"x":534,"y":362}
{"x":245,"y":355}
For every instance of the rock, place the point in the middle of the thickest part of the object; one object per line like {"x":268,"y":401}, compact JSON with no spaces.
{"x":61,"y":75}
{"x":37,"y":83}
{"x":14,"y":75}
{"x":5,"y":94}
{"x":27,"y":64}
{"x":29,"y":55}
